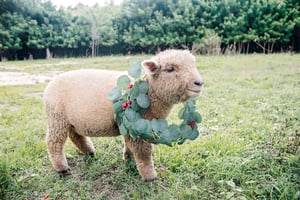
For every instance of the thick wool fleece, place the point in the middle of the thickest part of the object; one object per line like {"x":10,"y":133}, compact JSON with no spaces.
{"x":77,"y":106}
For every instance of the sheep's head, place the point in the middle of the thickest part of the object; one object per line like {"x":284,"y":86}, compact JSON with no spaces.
{"x":173,"y":76}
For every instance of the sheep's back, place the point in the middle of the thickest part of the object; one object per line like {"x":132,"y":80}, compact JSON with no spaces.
{"x":82,"y":97}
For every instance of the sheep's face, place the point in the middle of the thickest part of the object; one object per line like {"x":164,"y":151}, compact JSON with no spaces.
{"x":173,"y":76}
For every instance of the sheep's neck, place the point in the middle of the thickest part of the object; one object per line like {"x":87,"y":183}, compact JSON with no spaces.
{"x":158,"y":109}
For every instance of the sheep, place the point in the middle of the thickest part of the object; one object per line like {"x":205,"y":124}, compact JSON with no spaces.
{"x":77,"y":106}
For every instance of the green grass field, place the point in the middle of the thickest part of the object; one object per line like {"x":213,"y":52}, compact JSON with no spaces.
{"x":249,"y":147}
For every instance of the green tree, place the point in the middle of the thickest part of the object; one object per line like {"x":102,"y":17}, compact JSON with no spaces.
{"x":269,"y":24}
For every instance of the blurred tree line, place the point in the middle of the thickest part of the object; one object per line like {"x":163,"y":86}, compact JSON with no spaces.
{"x":37,"y":29}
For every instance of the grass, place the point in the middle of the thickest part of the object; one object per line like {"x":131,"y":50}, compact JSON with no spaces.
{"x":249,"y":148}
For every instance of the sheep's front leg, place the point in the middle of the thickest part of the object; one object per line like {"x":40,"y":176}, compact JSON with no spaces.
{"x":142,"y":152}
{"x":127,"y":154}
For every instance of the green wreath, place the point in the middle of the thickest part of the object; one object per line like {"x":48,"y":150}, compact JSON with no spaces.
{"x":130,"y":102}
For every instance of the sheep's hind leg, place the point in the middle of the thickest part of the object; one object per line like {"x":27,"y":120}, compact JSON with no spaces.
{"x":84,"y":144}
{"x":142,"y":152}
{"x":56,"y":137}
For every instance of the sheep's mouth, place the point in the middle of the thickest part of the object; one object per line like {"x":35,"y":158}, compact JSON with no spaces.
{"x":193,"y":93}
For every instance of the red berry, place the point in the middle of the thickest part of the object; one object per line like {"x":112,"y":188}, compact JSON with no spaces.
{"x":124,"y":105}
{"x":192,"y":124}
{"x":128,"y":103}
{"x":130,"y":86}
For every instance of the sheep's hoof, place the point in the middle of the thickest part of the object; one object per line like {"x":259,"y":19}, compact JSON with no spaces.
{"x":89,"y":157}
{"x":91,"y":154}
{"x":154,"y":181}
{"x":127,"y":157}
{"x":64,"y":173}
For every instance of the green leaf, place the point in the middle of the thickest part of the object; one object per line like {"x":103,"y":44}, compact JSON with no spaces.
{"x":181,"y":113}
{"x":175,"y":132}
{"x":134,"y":106}
{"x":115,"y":94}
{"x":187,"y":116}
{"x":135,"y":70}
{"x":186,"y":130}
{"x":123,"y":130}
{"x":143,"y":128}
{"x":123,"y":82}
{"x":190,"y":104}
{"x":117,"y":107}
{"x":143,"y":101}
{"x":164,"y":138}
{"x":133,"y":135}
{"x":159,"y":125}
{"x":197,"y":117}
{"x":143,"y":87}
{"x":193,"y":135}
{"x":131,"y":115}
{"x":134,"y":92}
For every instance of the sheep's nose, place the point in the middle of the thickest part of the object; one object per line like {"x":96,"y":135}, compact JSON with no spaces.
{"x":198,"y":83}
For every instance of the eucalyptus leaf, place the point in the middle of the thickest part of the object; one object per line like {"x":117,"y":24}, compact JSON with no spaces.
{"x":186,"y":130}
{"x":123,"y":82}
{"x":134,"y":106}
{"x":181,"y":113}
{"x":115,"y":94}
{"x":117,"y":107}
{"x":135,"y":70}
{"x":142,"y":126}
{"x":165,"y":138}
{"x":133,"y":135}
{"x":117,"y":119}
{"x":187,"y":116}
{"x":143,"y":87}
{"x":134,"y":92}
{"x":125,"y":121}
{"x":131,"y":115}
{"x":143,"y":100}
{"x":197,"y":117}
{"x":159,"y":125}
{"x":193,"y":135}
{"x":123,"y":130}
{"x":190,"y":103}
{"x":175,"y":132}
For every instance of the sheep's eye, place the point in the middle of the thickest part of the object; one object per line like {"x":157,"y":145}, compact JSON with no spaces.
{"x":170,"y":69}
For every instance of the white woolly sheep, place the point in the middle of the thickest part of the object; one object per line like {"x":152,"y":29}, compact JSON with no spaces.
{"x":77,"y":106}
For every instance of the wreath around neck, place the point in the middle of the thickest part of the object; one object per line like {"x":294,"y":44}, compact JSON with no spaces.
{"x":130,"y":102}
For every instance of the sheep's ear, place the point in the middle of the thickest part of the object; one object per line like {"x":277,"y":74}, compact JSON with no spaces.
{"x":150,"y":66}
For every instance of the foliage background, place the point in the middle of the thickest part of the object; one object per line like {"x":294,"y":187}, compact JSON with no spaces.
{"x":37,"y":29}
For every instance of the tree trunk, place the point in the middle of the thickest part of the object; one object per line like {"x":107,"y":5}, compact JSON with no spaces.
{"x":247,"y":48}
{"x":48,"y":53}
{"x":157,"y":49}
{"x":93,"y":48}
{"x":3,"y":58}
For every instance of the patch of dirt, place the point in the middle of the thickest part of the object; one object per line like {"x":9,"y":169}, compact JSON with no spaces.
{"x":19,"y":78}
{"x":11,"y":108}
{"x":57,"y":64}
{"x":38,"y":95}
